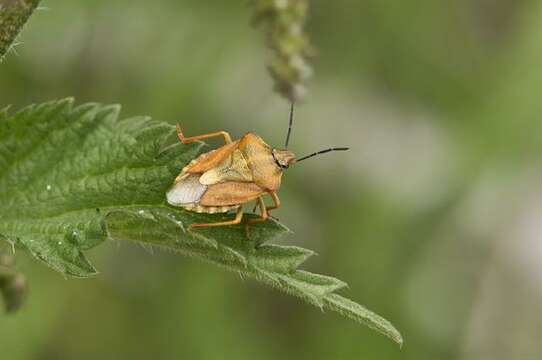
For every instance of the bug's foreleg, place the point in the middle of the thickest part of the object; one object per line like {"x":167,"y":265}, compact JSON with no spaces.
{"x":276,"y":204}
{"x":236,"y":220}
{"x":276,"y":201}
{"x":264,"y":215}
{"x":188,"y":140}
{"x":257,"y":205}
{"x":263,"y":209}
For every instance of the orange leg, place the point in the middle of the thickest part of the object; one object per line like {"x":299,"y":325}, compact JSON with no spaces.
{"x":263,"y":209}
{"x":235,"y":221}
{"x":276,"y":203}
{"x":188,"y":140}
{"x":263,"y":217}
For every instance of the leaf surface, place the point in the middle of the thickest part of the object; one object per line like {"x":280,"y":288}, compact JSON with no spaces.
{"x":73,"y":177}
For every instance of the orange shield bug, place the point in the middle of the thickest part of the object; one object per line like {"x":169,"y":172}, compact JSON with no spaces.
{"x":240,"y":171}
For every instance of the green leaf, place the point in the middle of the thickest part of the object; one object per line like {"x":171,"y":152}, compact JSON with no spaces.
{"x":73,"y":177}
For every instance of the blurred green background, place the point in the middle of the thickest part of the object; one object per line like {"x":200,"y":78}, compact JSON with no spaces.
{"x":434,"y":217}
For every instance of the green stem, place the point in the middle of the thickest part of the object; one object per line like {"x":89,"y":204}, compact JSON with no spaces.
{"x":12,"y":283}
{"x":13,"y":15}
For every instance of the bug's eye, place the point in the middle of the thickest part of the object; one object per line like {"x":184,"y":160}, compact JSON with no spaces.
{"x":283,"y":158}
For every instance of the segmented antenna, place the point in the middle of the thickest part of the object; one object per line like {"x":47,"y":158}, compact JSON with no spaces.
{"x":322,"y":152}
{"x":290,"y":125}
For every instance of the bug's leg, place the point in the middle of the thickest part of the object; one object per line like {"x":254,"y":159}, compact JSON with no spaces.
{"x":236,"y":220}
{"x":188,"y":140}
{"x":276,"y":203}
{"x":264,"y":216}
{"x":256,"y":205}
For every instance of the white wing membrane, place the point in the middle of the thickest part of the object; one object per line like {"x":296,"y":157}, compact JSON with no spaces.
{"x":187,"y":190}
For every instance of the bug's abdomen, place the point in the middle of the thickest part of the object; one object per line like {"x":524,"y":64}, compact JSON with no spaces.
{"x":221,"y":188}
{"x":210,"y":209}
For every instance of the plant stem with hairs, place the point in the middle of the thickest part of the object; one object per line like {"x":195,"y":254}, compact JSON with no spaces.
{"x":13,"y":15}
{"x":283,"y":22}
{"x":12,"y":283}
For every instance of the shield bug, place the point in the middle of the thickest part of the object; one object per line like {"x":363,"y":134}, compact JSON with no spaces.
{"x":240,"y":171}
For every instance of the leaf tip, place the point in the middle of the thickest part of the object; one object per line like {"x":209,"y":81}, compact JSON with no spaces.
{"x":83,"y":273}
{"x":66,"y":103}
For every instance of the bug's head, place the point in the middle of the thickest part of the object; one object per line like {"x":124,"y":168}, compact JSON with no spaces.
{"x":284,"y":157}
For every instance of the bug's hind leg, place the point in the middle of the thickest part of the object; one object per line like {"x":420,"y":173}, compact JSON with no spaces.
{"x":264,"y":216}
{"x":188,"y":140}
{"x":236,"y":220}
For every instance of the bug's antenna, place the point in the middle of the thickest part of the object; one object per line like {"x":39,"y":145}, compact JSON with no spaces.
{"x":290,"y":125}
{"x":322,"y":152}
